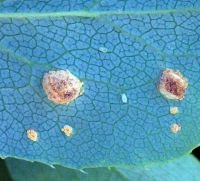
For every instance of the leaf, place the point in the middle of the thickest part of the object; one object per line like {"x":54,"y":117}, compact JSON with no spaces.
{"x":114,"y":53}
{"x":21,"y":170}
{"x":185,"y":168}
{"x":182,"y":169}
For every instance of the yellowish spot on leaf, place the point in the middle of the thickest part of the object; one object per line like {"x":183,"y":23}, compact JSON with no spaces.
{"x":68,"y":130}
{"x":32,"y":134}
{"x":172,"y":84}
{"x":174,"y":110}
{"x":61,"y":86}
{"x":175,"y":128}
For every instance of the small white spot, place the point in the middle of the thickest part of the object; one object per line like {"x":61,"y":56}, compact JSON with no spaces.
{"x":68,"y":130}
{"x":52,"y":166}
{"x":175,"y":128}
{"x":103,"y":49}
{"x":32,"y":134}
{"x":124,"y":98}
{"x":174,"y":110}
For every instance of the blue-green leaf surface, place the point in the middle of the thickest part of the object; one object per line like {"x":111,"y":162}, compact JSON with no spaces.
{"x":117,"y":48}
{"x":183,"y":169}
{"x":20,"y":170}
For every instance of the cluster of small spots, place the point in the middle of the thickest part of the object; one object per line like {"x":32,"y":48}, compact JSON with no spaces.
{"x":175,"y":128}
{"x":61,"y":86}
{"x":32,"y":135}
{"x":67,"y":130}
{"x":173,"y":85}
{"x":174,"y":110}
{"x":116,"y":69}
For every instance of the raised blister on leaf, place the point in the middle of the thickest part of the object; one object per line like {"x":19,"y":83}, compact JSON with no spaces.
{"x":68,"y":130}
{"x":173,"y":85}
{"x":32,"y":134}
{"x":175,"y":128}
{"x":61,"y":86}
{"x":174,"y":110}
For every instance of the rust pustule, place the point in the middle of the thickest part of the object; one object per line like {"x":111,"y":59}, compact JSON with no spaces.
{"x":172,"y":84}
{"x":68,"y":130}
{"x":175,"y":128}
{"x":32,"y":134}
{"x":174,"y":110}
{"x":61,"y":86}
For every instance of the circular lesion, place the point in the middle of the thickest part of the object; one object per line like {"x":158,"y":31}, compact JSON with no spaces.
{"x":61,"y":86}
{"x":173,"y":85}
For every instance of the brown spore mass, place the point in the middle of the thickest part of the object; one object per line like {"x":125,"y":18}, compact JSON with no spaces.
{"x":61,"y":86}
{"x":173,"y":85}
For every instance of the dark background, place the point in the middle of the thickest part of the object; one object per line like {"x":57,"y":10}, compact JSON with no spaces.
{"x":196,"y":153}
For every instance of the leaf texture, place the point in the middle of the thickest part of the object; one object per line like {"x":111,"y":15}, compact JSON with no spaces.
{"x":20,"y":170}
{"x":182,"y":169}
{"x":114,"y":52}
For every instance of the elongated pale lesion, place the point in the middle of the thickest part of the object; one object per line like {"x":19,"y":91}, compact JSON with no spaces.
{"x":95,"y":14}
{"x":61,"y":86}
